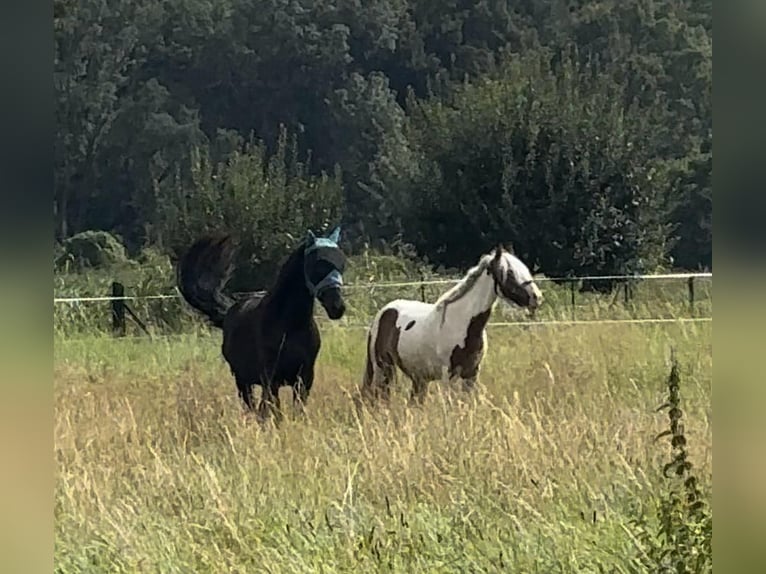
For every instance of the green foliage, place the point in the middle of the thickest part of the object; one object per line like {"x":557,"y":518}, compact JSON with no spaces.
{"x":682,"y":540}
{"x":511,"y":120}
{"x":547,"y":158}
{"x":693,"y":234}
{"x":91,"y":249}
{"x":375,"y":153}
{"x":267,"y":201}
{"x":99,"y":47}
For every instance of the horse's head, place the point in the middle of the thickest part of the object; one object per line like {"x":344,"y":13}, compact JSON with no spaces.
{"x":324,"y":263}
{"x":513,"y":280}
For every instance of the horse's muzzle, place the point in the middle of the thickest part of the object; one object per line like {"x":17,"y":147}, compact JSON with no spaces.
{"x":335,"y":313}
{"x":332,"y":301}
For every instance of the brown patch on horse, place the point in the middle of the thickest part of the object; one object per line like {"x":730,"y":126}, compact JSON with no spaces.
{"x":387,"y":341}
{"x":409,"y":326}
{"x":464,"y":361}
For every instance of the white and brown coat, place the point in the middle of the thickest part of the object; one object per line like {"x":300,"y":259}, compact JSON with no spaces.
{"x":446,"y":339}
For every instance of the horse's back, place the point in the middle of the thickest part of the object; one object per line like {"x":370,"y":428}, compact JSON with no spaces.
{"x":401,"y":315}
{"x":407,"y":309}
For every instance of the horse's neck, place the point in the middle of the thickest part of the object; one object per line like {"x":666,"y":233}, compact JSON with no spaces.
{"x":476,"y":301}
{"x":297,"y":296}
{"x":290,"y":297}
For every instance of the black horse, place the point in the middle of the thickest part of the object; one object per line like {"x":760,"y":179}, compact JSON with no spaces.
{"x":272,"y":341}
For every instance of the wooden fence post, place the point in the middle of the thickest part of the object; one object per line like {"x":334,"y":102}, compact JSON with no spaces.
{"x":118,"y":309}
{"x":572,"y":294}
{"x":690,"y":285}
{"x":627,"y":291}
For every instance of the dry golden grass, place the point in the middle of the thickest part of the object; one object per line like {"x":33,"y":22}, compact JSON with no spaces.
{"x":160,"y":471}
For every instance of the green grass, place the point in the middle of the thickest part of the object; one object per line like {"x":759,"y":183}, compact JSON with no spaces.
{"x":545,"y":470}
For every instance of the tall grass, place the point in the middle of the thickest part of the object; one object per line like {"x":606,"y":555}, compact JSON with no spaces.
{"x":682,"y":541}
{"x":546,"y":469}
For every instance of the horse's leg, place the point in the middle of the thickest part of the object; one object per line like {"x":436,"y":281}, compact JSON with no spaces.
{"x":302,"y":388}
{"x":450,"y":375}
{"x":469,"y":384}
{"x":376,"y":381}
{"x":369,"y":389}
{"x":276,"y":405}
{"x":386,"y":377}
{"x":380,"y":386}
{"x":270,"y":407}
{"x":470,"y":377}
{"x":469,"y":380}
{"x":263,"y":406}
{"x":419,"y":391}
{"x":370,"y":386}
{"x":447,"y":375}
{"x":269,"y":402}
{"x":245,"y":390}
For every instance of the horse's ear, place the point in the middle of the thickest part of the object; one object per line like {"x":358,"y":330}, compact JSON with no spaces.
{"x":510,"y":250}
{"x":499,"y":251}
{"x":335,"y":235}
{"x":310,"y":238}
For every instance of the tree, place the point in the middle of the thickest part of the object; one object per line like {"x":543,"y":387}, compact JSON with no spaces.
{"x":547,"y":159}
{"x":97,"y":47}
{"x":693,"y":232}
{"x":368,"y":135}
{"x":402,"y":94}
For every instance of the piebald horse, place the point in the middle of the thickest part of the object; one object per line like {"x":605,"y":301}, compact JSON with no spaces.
{"x":445,"y":340}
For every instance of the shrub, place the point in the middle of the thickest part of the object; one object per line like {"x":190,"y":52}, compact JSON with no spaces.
{"x":267,"y":201}
{"x":91,"y":249}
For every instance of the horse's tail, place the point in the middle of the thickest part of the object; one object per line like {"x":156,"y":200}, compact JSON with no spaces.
{"x":202,"y":273}
{"x":369,"y":371}
{"x":370,"y":379}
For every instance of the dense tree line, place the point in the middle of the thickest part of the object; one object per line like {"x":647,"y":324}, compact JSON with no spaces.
{"x":579,"y":131}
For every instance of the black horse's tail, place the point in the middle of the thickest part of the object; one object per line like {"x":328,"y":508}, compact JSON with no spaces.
{"x":203,"y":272}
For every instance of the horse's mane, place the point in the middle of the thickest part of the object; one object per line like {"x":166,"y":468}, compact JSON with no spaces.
{"x":466,"y":283}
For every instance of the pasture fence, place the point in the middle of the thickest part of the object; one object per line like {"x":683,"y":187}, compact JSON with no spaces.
{"x":569,"y":300}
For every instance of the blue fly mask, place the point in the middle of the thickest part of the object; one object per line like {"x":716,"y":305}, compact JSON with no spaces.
{"x":324,"y":262}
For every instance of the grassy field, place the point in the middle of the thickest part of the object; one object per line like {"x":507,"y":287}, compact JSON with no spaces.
{"x":543,"y":471}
